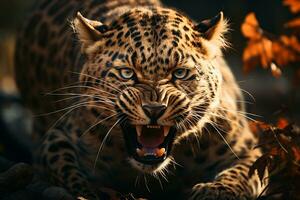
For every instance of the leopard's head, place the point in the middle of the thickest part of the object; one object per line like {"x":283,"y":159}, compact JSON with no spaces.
{"x":155,"y":71}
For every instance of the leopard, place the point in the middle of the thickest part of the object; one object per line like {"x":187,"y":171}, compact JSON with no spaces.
{"x":133,"y":99}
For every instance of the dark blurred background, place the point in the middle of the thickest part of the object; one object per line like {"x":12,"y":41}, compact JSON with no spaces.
{"x":270,"y":94}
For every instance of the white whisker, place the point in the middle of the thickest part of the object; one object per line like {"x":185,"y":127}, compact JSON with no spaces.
{"x":97,"y":123}
{"x":250,"y":95}
{"x":103,"y":141}
{"x":80,"y":87}
{"x":100,"y":80}
{"x":73,"y":106}
{"x":74,"y":96}
{"x":146,"y":183}
{"x":224,"y":139}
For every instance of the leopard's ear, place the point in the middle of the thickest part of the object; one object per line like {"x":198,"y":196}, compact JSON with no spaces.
{"x":214,"y":29}
{"x":89,"y":31}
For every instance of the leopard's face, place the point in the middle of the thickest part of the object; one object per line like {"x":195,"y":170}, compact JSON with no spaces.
{"x":154,"y":71}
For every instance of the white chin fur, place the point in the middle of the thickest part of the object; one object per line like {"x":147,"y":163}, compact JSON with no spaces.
{"x":151,"y":169}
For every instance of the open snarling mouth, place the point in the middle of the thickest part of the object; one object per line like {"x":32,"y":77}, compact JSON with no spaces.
{"x":148,"y":144}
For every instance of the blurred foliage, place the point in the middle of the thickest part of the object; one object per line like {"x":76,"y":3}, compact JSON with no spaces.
{"x":272,"y":51}
{"x":281,"y":157}
{"x":280,"y":142}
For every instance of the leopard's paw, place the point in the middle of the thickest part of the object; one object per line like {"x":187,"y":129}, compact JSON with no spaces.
{"x":213,"y":191}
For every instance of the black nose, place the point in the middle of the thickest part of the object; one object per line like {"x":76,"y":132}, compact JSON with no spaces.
{"x":154,"y":111}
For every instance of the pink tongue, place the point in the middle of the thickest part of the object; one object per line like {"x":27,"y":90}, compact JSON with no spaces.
{"x":151,"y":138}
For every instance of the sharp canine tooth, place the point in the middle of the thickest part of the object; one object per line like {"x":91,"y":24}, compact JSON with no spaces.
{"x":140,"y":152}
{"x":160,"y":152}
{"x":138,"y":130}
{"x":166,"y":130}
{"x":155,"y":152}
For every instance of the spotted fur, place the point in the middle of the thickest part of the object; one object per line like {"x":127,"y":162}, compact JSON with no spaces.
{"x":73,"y":72}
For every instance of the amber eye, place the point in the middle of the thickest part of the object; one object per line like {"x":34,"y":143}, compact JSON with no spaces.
{"x":181,"y":73}
{"x":126,"y":73}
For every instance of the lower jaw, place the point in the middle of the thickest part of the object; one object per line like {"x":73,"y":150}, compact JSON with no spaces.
{"x":150,"y":160}
{"x":149,"y":168}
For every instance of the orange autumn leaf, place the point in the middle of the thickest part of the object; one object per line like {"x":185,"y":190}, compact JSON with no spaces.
{"x":250,"y":28}
{"x":256,"y":126}
{"x":257,"y":52}
{"x":279,"y":153}
{"x":286,"y":50}
{"x":295,"y":23}
{"x":282,"y":123}
{"x":259,"y":48}
{"x":294,"y":5}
